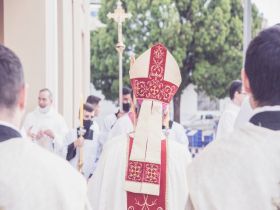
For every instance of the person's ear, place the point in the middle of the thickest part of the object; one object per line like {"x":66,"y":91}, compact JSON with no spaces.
{"x":245,"y":82}
{"x":22,"y":97}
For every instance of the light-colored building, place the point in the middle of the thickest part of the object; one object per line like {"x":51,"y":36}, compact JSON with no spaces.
{"x":95,"y":23}
{"x":52,"y":40}
{"x":189,"y":103}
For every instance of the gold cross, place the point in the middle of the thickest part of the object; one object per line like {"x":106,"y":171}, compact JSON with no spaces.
{"x":119,"y":17}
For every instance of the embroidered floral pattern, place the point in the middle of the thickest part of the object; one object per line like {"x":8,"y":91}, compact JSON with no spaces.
{"x":152,"y":173}
{"x":155,"y":87}
{"x":145,"y":204}
{"x":135,"y":171}
{"x":143,"y":172}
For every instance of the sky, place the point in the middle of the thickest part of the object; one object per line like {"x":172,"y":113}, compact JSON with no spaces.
{"x":270,"y":10}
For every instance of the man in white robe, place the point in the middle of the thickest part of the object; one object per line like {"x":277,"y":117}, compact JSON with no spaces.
{"x":120,"y":122}
{"x":89,"y":143}
{"x":45,"y":126}
{"x":228,"y":117}
{"x":106,"y":187}
{"x":243,"y":171}
{"x":31,"y":177}
{"x":123,"y":125}
{"x":143,"y":170}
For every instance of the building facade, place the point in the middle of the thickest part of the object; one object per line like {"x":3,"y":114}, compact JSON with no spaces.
{"x":52,"y":39}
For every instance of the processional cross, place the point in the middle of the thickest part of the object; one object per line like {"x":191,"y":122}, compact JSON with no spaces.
{"x":119,"y":17}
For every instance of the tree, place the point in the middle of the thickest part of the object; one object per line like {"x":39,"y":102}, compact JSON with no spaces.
{"x":214,"y":72}
{"x":204,"y":36}
{"x":151,"y":22}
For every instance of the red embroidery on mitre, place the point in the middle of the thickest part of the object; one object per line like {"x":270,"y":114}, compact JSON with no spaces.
{"x":154,"y":86}
{"x":137,"y":201}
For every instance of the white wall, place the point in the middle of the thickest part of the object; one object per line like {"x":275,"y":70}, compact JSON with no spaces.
{"x":52,"y":39}
{"x":25,"y":33}
{"x":51,"y":43}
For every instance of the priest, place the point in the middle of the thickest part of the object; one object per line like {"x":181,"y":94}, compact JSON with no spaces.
{"x":143,"y":170}
{"x":243,"y":171}
{"x":31,"y":177}
{"x":45,"y":126}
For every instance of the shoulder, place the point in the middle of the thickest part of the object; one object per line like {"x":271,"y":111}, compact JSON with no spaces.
{"x":123,"y":124}
{"x":177,"y":151}
{"x":219,"y":150}
{"x":224,"y":158}
{"x":243,"y":165}
{"x":178,"y":126}
{"x":24,"y":154}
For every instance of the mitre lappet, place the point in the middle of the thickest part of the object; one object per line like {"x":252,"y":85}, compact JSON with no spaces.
{"x":155,"y":78}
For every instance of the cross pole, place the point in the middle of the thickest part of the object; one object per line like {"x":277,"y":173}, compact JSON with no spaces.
{"x":119,"y":17}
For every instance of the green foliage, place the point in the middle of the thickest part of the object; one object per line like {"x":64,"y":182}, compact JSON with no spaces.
{"x":205,"y":37}
{"x":221,"y":57}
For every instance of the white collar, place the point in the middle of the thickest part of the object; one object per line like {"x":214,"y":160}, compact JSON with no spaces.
{"x":50,"y":112}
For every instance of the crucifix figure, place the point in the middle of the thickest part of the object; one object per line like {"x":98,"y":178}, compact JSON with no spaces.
{"x":119,"y":17}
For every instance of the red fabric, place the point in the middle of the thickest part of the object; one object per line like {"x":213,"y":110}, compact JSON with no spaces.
{"x":155,"y":87}
{"x":137,"y":201}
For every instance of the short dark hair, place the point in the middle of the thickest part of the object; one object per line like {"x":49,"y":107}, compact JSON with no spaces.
{"x":88,"y":107}
{"x":262,"y":66}
{"x":11,"y":78}
{"x":47,"y":90}
{"x":235,"y":86}
{"x":126,"y":90}
{"x":93,"y":100}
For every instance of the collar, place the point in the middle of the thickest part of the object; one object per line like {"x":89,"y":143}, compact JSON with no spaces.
{"x":50,"y":112}
{"x":8,"y":131}
{"x":267,"y":117}
{"x":9,"y":125}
